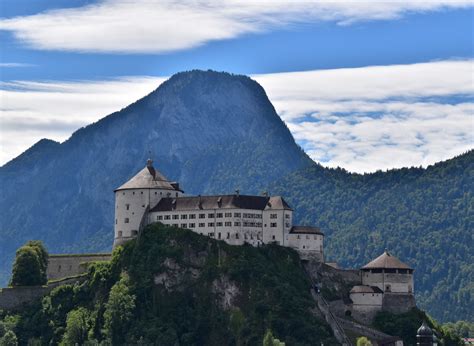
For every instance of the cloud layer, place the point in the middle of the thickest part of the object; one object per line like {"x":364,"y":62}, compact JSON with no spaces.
{"x":362,"y":119}
{"x":153,"y":26}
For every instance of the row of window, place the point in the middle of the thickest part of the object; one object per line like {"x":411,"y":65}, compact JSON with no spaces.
{"x":221,"y":224}
{"x":168,"y":194}
{"x":203,"y":216}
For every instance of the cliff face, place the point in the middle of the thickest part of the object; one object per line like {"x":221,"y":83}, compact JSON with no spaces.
{"x":212,"y":132}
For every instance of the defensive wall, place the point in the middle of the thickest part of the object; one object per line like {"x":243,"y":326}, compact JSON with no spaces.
{"x":62,"y":266}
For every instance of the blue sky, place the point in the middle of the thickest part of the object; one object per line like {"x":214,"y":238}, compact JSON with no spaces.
{"x":90,"y":55}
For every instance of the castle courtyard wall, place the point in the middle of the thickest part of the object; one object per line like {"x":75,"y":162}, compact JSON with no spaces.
{"x":62,"y":266}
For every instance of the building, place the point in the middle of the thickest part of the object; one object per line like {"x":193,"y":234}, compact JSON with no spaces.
{"x":386,"y":284}
{"x":236,"y":219}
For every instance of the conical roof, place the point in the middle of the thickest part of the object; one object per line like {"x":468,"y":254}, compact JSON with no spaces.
{"x":386,"y":261}
{"x":424,"y":330}
{"x":149,"y":178}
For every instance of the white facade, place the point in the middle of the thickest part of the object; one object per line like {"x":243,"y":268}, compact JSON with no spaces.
{"x":389,"y":280}
{"x":236,"y":219}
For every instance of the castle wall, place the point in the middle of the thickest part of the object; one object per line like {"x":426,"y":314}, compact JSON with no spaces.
{"x":62,"y":266}
{"x":391,"y":282}
{"x":309,"y":246}
{"x":367,"y":299}
{"x":398,"y":303}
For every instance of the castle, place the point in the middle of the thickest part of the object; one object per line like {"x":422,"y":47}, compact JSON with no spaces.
{"x":236,"y":219}
{"x":385,"y":283}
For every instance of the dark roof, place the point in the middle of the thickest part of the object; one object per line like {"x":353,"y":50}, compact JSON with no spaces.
{"x":386,"y":261}
{"x":149,"y":178}
{"x":365,"y":289}
{"x":220,"y":202}
{"x":305,"y":230}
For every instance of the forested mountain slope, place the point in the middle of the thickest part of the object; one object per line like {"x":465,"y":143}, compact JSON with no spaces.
{"x":423,"y":216}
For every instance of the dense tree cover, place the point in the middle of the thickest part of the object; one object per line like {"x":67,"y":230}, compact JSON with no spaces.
{"x":463,"y":329}
{"x":406,"y":325}
{"x":31,"y":262}
{"x":423,"y":216}
{"x":175,"y":287}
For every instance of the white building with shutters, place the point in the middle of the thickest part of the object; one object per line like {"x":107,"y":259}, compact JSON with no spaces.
{"x":236,"y":219}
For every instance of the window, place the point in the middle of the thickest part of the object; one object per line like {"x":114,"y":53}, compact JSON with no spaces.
{"x":119,"y":234}
{"x":192,"y":225}
{"x":245,"y":236}
{"x":127,"y":206}
{"x":211,"y":216}
{"x":219,"y":215}
{"x":116,"y":221}
{"x":202,"y":224}
{"x":192,"y":216}
{"x":237,"y":223}
{"x":287,"y":216}
{"x":184,"y":225}
{"x":159,"y":217}
{"x":184,"y":217}
{"x":141,"y":192}
{"x":133,"y":192}
{"x":273,"y":237}
{"x":211,"y":235}
{"x":228,"y":235}
{"x":202,"y":216}
{"x":143,"y":205}
{"x":228,"y":223}
{"x":236,"y":235}
{"x":273,"y":224}
{"x":134,"y":232}
{"x":237,"y":214}
{"x":273,"y":216}
{"x":167,"y":217}
{"x":59,"y":268}
{"x":228,"y":214}
{"x":210,"y":224}
{"x":298,"y":236}
{"x":156,"y":193}
{"x":287,"y":224}
{"x":127,"y":220}
{"x":175,"y":217}
{"x":219,"y":235}
{"x":219,"y":224}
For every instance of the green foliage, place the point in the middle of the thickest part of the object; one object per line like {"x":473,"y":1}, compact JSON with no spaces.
{"x":77,"y":327}
{"x":118,"y":312}
{"x":42,"y":254}
{"x":124,"y":301}
{"x":363,"y":341}
{"x":423,"y":216}
{"x":28,"y":268}
{"x":463,"y":329}
{"x":269,"y":340}
{"x":9,"y":339}
{"x":406,"y":325}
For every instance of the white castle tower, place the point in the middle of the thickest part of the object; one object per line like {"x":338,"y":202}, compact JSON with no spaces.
{"x":134,"y":199}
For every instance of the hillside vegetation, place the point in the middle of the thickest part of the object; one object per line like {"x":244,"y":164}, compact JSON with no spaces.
{"x":175,"y":287}
{"x":423,"y":216}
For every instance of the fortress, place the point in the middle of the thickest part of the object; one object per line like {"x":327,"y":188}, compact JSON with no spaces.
{"x":385,"y":283}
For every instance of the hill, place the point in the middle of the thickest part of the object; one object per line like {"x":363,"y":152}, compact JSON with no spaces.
{"x":424,"y":216}
{"x":175,"y":287}
{"x":215,"y":132}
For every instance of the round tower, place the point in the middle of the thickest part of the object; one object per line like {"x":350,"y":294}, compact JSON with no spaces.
{"x":136,"y":197}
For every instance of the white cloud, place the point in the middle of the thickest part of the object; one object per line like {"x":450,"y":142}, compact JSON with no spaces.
{"x":379,"y":117}
{"x":362,"y":119}
{"x":154,"y":26}
{"x":14,"y":64}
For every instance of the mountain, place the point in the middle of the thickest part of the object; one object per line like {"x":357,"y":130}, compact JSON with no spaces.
{"x":215,"y":132}
{"x":212,"y":132}
{"x":425,"y":216}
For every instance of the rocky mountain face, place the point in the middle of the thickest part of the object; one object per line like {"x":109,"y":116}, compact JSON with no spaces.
{"x":216,"y":132}
{"x":212,"y":132}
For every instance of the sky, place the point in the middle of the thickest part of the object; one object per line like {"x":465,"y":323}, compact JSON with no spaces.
{"x":362,"y":85}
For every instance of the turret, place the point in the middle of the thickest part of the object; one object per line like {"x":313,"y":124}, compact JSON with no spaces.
{"x":138,"y":195}
{"x":424,"y":336}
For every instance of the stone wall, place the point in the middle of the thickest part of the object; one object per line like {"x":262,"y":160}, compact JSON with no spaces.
{"x":12,"y":298}
{"x":398,"y":303}
{"x":62,"y":266}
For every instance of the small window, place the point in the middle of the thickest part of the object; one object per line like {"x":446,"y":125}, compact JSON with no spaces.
{"x":228,"y":214}
{"x":192,"y":216}
{"x":141,"y":192}
{"x":184,"y":225}
{"x":236,"y":235}
{"x":133,"y":192}
{"x":116,"y":221}
{"x":167,"y":217}
{"x":237,"y":223}
{"x":134,"y":232}
{"x":202,"y":216}
{"x":202,"y":224}
{"x":287,"y":216}
{"x":211,"y":216}
{"x":192,"y":225}
{"x":156,"y":193}
{"x":273,"y":237}
{"x":219,"y":235}
{"x":159,"y":217}
{"x":219,"y":215}
{"x":184,"y":217}
{"x":175,"y":217}
{"x":228,"y":223}
{"x":219,"y":224}
{"x":127,"y":220}
{"x":127,"y":206}
{"x":210,"y":224}
{"x":228,"y":235}
{"x":273,"y":216}
{"x":273,"y":224}
{"x":59,"y":268}
{"x":237,"y":214}
{"x":119,"y":234}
